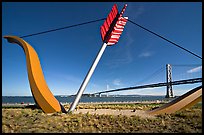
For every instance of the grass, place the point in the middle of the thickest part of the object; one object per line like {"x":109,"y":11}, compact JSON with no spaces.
{"x":30,"y":120}
{"x":137,"y":106}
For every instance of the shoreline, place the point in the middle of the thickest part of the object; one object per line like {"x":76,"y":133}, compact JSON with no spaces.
{"x":94,"y":103}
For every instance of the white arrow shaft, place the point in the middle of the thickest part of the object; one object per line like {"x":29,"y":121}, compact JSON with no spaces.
{"x":87,"y":78}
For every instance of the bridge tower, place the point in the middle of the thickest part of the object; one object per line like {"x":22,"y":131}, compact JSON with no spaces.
{"x":169,"y":91}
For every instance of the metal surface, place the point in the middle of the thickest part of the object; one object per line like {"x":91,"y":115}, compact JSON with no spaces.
{"x":111,"y":23}
{"x":40,"y":91}
{"x":87,"y":78}
{"x":113,"y":26}
{"x":169,"y":91}
{"x":185,"y":101}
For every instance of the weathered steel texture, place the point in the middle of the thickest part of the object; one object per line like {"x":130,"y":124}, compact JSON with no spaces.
{"x":40,"y":91}
{"x":186,"y":100}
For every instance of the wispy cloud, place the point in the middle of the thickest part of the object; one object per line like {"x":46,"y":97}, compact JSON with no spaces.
{"x":136,"y":11}
{"x":126,"y":40}
{"x":193,"y":70}
{"x":122,"y":55}
{"x":127,"y":55}
{"x":117,"y":82}
{"x":145,"y":54}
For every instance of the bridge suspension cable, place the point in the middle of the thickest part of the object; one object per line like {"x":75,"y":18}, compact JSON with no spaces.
{"x":186,"y":65}
{"x":187,"y":70}
{"x":179,"y":82}
{"x":152,"y":75}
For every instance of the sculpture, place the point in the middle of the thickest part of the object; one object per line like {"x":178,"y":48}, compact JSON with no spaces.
{"x":40,"y":91}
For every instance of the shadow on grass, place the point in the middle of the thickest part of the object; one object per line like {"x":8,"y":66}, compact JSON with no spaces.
{"x":22,"y":106}
{"x":32,"y":107}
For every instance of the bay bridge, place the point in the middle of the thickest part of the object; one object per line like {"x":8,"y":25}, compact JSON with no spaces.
{"x":169,"y":83}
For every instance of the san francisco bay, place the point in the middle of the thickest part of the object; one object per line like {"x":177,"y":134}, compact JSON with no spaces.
{"x":85,"y":99}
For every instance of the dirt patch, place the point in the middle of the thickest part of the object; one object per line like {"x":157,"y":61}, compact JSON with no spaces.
{"x":114,"y":112}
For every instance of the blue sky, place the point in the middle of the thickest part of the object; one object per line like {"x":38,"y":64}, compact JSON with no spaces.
{"x":67,"y":55}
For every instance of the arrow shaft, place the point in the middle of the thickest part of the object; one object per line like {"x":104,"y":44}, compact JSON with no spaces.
{"x":87,"y":78}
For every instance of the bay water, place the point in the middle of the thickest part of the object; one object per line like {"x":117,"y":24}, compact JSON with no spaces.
{"x":84,"y":99}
